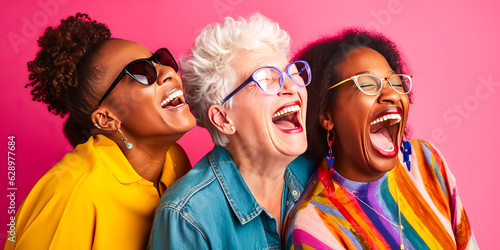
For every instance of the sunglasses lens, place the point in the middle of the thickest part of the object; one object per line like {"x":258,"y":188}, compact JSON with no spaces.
{"x":164,"y":57}
{"x":143,"y":71}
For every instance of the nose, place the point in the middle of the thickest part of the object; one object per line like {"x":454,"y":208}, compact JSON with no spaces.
{"x":388,"y":94}
{"x":290,"y":87}
{"x":165,"y":74}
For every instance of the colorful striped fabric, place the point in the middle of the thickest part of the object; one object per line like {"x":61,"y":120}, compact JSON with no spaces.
{"x":329,"y":217}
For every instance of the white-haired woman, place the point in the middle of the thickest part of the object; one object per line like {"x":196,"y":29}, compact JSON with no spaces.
{"x":252,"y":100}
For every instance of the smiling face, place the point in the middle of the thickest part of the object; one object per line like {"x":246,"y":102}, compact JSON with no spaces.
{"x":369,"y":129}
{"x":145,"y":112}
{"x":271,"y":124}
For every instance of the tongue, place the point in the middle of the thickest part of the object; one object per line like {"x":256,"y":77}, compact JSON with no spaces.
{"x":284,"y":122}
{"x":381,"y":139}
{"x":175,"y":102}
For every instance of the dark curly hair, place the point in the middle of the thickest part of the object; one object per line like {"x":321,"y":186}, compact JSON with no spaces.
{"x":64,"y":72}
{"x":323,"y":56}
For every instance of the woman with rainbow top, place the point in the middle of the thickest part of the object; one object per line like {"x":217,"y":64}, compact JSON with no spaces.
{"x":373,"y":189}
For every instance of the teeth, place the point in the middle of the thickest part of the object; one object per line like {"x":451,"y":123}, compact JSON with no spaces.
{"x":286,"y":111}
{"x":396,"y":117}
{"x":389,"y":150}
{"x":171,"y":97}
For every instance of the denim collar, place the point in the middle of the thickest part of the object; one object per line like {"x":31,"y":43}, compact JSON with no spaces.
{"x":238,"y":195}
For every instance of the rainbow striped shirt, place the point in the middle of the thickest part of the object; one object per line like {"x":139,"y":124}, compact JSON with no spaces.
{"x":327,"y":216}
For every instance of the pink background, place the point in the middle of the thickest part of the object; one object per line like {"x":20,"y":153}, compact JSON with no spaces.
{"x":452,"y":48}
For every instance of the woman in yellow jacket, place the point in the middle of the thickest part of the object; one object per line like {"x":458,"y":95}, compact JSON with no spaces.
{"x":126,"y":110}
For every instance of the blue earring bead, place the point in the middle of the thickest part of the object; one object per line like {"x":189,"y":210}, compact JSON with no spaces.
{"x":127,"y":144}
{"x":329,"y":161}
{"x":329,"y":157}
{"x":406,"y":149}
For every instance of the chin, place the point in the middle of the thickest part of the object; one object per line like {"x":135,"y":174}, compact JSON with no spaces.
{"x":381,"y":163}
{"x":180,"y":123}
{"x":295,"y":146}
{"x":190,"y":123}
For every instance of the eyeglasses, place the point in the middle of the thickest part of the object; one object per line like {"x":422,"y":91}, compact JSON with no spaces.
{"x":143,"y":70}
{"x":372,"y":85}
{"x":271,"y":80}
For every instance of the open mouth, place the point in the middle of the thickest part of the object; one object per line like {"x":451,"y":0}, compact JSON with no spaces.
{"x":287,"y":119}
{"x":173,"y":100}
{"x":384,"y":132}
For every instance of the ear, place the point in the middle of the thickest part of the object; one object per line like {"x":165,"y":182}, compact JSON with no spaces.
{"x":325,"y":120}
{"x":105,"y":119}
{"x":217,"y":114}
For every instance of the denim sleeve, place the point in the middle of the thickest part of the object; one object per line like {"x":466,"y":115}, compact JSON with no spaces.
{"x":176,"y":230}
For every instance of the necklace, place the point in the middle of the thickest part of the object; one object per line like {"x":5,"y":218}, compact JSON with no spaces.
{"x":400,"y":227}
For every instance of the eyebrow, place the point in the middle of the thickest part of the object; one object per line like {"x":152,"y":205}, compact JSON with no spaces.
{"x":364,"y":72}
{"x":372,"y":73}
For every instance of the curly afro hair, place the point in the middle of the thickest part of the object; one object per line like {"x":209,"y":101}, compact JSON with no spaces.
{"x":63,"y":75}
{"x":323,"y":56}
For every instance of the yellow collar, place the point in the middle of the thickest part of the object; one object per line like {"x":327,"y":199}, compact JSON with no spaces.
{"x":112,"y":157}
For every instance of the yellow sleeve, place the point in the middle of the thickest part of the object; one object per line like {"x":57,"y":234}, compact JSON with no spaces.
{"x":57,"y":214}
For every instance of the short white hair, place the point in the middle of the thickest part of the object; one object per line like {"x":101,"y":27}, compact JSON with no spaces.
{"x":206,"y":69}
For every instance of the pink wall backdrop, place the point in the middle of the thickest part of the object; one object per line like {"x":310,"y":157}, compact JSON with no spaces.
{"x":451,"y":46}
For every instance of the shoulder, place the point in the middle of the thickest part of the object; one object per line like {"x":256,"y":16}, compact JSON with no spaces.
{"x":68,"y":184}
{"x":302,"y":167}
{"x":424,"y":154}
{"x":426,"y":148}
{"x":176,"y":152}
{"x":178,"y":159}
{"x":71,"y":172}
{"x":77,"y":174}
{"x":190,"y":188}
{"x":304,"y":214}
{"x":312,"y":191}
{"x":190,"y":207}
{"x":429,"y":168}
{"x":197,"y":197}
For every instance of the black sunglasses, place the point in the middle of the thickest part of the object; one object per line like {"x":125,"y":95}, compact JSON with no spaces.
{"x":143,"y":70}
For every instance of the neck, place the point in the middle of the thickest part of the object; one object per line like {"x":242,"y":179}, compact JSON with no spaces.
{"x":147,"y":158}
{"x":360,"y":189}
{"x":264,"y":167}
{"x":351,"y":170}
{"x":264,"y":175}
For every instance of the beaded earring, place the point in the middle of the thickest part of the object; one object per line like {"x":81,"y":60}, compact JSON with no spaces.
{"x":406,"y":149}
{"x":128,"y":144}
{"x":329,"y":157}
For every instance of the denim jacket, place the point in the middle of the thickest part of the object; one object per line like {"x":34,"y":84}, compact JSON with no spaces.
{"x":211,"y":207}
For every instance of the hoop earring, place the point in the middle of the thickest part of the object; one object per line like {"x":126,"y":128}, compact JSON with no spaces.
{"x":329,"y":157}
{"x":128,"y":144}
{"x":97,"y":126}
{"x":406,"y":149}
